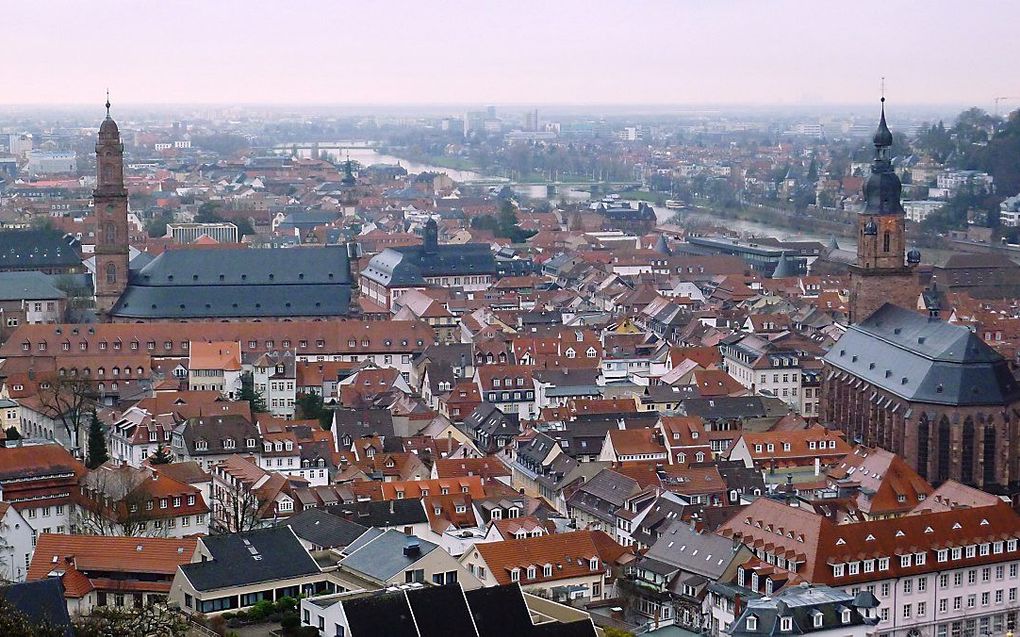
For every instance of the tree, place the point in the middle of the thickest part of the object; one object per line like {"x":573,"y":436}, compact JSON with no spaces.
{"x":162,"y":455}
{"x":156,"y":227}
{"x":12,"y":433}
{"x":235,"y":507}
{"x":15,"y":623}
{"x":253,"y":396}
{"x":98,"y":453}
{"x":115,"y":502}
{"x":154,"y":620}
{"x":310,"y":406}
{"x":67,"y":399}
{"x":207,"y":213}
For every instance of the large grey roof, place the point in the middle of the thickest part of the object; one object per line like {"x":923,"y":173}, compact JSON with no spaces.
{"x":265,"y":555}
{"x":801,"y":604}
{"x":410,"y":265}
{"x":383,"y":613}
{"x":246,"y":266}
{"x":324,"y":529}
{"x":382,"y":557}
{"x":29,"y":285}
{"x":238,"y":282}
{"x":923,"y":360}
{"x":704,"y":554}
{"x":31,"y":249}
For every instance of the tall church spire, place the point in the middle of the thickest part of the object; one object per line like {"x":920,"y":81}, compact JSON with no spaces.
{"x":110,"y":201}
{"x":882,"y":191}
{"x":882,"y":272}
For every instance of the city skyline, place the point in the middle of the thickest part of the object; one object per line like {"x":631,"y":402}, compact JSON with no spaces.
{"x":648,"y":53}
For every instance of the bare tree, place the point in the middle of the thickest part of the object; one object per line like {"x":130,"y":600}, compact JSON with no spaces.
{"x":153,"y":620}
{"x":117,"y":503}
{"x":236,"y":507}
{"x":68,"y":399}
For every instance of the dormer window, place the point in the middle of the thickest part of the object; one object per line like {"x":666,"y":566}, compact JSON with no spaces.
{"x":229,"y":443}
{"x":547,"y":570}
{"x":751,"y":623}
{"x":846,"y":616}
{"x":515,"y":575}
{"x":593,"y":564}
{"x":818,"y":620}
{"x":786,"y":624}
{"x":497,"y":514}
{"x":532,"y":572}
{"x":201,"y":445}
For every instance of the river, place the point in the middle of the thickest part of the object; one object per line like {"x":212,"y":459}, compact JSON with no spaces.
{"x":369,"y":156}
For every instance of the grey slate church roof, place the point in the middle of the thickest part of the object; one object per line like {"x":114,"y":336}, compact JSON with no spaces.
{"x":923,"y":360}
{"x":240,"y":282}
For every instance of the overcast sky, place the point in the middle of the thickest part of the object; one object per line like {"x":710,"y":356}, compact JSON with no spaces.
{"x":509,"y":51}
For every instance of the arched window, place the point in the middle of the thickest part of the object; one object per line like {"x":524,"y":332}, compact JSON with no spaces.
{"x":944,"y":444}
{"x":886,"y":240}
{"x":989,"y":454}
{"x":967,"y":455}
{"x":923,"y":440}
{"x":111,"y":272}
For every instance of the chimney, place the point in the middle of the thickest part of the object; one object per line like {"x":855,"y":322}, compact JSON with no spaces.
{"x":413,"y":547}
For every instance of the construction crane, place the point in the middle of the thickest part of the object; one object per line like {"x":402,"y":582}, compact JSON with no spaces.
{"x":999,"y":99}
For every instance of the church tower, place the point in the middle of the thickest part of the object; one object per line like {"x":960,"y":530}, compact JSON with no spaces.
{"x":884,"y":271}
{"x":111,"y":210}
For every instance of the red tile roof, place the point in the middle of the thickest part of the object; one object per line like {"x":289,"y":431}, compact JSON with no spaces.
{"x":569,"y":554}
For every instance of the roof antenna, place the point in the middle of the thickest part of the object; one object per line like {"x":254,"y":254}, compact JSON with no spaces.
{"x":107,"y":103}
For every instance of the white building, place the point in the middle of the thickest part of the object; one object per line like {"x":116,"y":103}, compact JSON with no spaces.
{"x":918,"y":210}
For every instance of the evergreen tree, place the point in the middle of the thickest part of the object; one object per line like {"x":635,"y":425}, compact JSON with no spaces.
{"x":161,"y":456}
{"x":254,"y":398}
{"x":97,"y":452}
{"x":13,"y":433}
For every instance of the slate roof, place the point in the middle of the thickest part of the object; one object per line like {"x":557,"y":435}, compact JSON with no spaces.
{"x":240,"y":282}
{"x":409,"y":265}
{"x":923,"y":360}
{"x":362,"y":422}
{"x":441,"y":611}
{"x":705,"y":554}
{"x":802,"y":604}
{"x":324,"y":529}
{"x":395,"y":513}
{"x":37,"y":249}
{"x":382,"y":614}
{"x":725,"y":407}
{"x":499,"y":611}
{"x":41,"y":601}
{"x":279,"y":552}
{"x":30,"y":285}
{"x":382,"y":557}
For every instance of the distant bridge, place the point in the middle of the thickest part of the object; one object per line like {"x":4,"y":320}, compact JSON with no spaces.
{"x":348,"y":145}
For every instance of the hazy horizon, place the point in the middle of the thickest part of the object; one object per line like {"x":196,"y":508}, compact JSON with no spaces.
{"x":647,"y":53}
